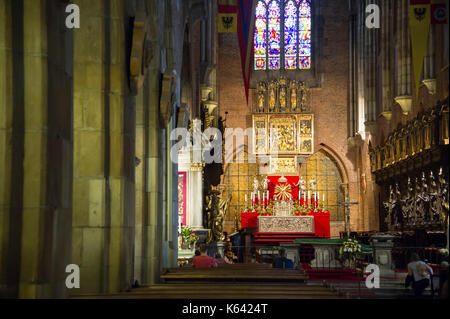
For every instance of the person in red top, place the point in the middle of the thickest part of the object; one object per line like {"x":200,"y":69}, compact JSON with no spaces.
{"x":203,"y":261}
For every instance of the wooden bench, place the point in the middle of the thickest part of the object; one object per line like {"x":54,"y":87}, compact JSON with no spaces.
{"x":227,"y":291}
{"x":234,"y":273}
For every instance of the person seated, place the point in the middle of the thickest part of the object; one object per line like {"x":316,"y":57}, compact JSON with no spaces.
{"x":220,"y":260}
{"x":282,"y":261}
{"x":203,"y":261}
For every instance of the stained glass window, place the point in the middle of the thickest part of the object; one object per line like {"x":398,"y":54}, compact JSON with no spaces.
{"x":304,"y":42}
{"x":260,"y":36}
{"x":274,"y":35}
{"x":290,"y":36}
{"x":282,"y":35}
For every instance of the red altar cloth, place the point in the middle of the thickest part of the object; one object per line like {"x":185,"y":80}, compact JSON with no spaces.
{"x":249,"y":220}
{"x":321,"y":223}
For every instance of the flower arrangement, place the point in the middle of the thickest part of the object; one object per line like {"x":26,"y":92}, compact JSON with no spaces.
{"x":444,"y":253}
{"x":265,"y":211}
{"x":188,"y":235}
{"x":349,"y":249}
{"x":300,"y":210}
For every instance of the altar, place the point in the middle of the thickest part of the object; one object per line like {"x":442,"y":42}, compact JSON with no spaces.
{"x":320,"y":225}
{"x":286,"y":211}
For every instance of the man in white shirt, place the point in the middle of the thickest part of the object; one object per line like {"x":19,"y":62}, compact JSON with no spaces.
{"x":421,"y":272}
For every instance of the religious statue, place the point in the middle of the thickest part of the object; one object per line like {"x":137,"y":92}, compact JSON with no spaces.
{"x":255,"y":185}
{"x":434,"y":200}
{"x":222,"y":210}
{"x":294,"y":86}
{"x":272,"y":97}
{"x":283,"y":95}
{"x":265,"y":183}
{"x":303,"y":91}
{"x":216,"y":209}
{"x":301,"y":185}
{"x":312,"y":185}
{"x":422,"y":201}
{"x":408,"y":204}
{"x":443,"y":185}
{"x":391,"y":207}
{"x":388,"y":206}
{"x":397,"y":211}
{"x":261,"y":96}
{"x":210,"y":204}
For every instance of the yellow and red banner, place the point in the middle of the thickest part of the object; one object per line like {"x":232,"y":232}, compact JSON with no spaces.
{"x":419,"y":22}
{"x":227,"y":19}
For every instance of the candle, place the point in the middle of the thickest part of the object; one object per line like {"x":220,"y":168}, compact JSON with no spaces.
{"x":267,"y":197}
{"x":323,"y":198}
{"x":245,"y":198}
{"x":307,"y":199}
{"x":317,"y":199}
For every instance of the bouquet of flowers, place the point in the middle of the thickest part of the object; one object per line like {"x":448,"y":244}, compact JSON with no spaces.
{"x":444,"y":253}
{"x":300,"y":210}
{"x":266,"y":211}
{"x":349,"y":249}
{"x":188,"y":235}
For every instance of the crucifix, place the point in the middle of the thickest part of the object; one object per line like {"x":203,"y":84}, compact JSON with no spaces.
{"x":347,"y":204}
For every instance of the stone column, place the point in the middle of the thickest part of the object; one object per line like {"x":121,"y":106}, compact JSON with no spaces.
{"x":11,"y":145}
{"x":403,"y":90}
{"x":429,"y":74}
{"x":382,"y":245}
{"x":386,"y":41}
{"x":35,"y":145}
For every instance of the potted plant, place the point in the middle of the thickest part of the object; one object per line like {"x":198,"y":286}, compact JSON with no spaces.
{"x":189,"y":238}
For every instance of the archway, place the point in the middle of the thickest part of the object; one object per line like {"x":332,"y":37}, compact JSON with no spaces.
{"x":325,"y":170}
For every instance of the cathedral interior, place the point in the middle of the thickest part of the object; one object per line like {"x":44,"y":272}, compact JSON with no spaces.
{"x":319,"y":101}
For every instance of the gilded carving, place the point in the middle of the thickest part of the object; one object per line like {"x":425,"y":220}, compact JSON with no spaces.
{"x":281,"y":96}
{"x":283,"y":131}
{"x":283,"y":165}
{"x":272,"y":95}
{"x":261,"y":96}
{"x":294,"y":86}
